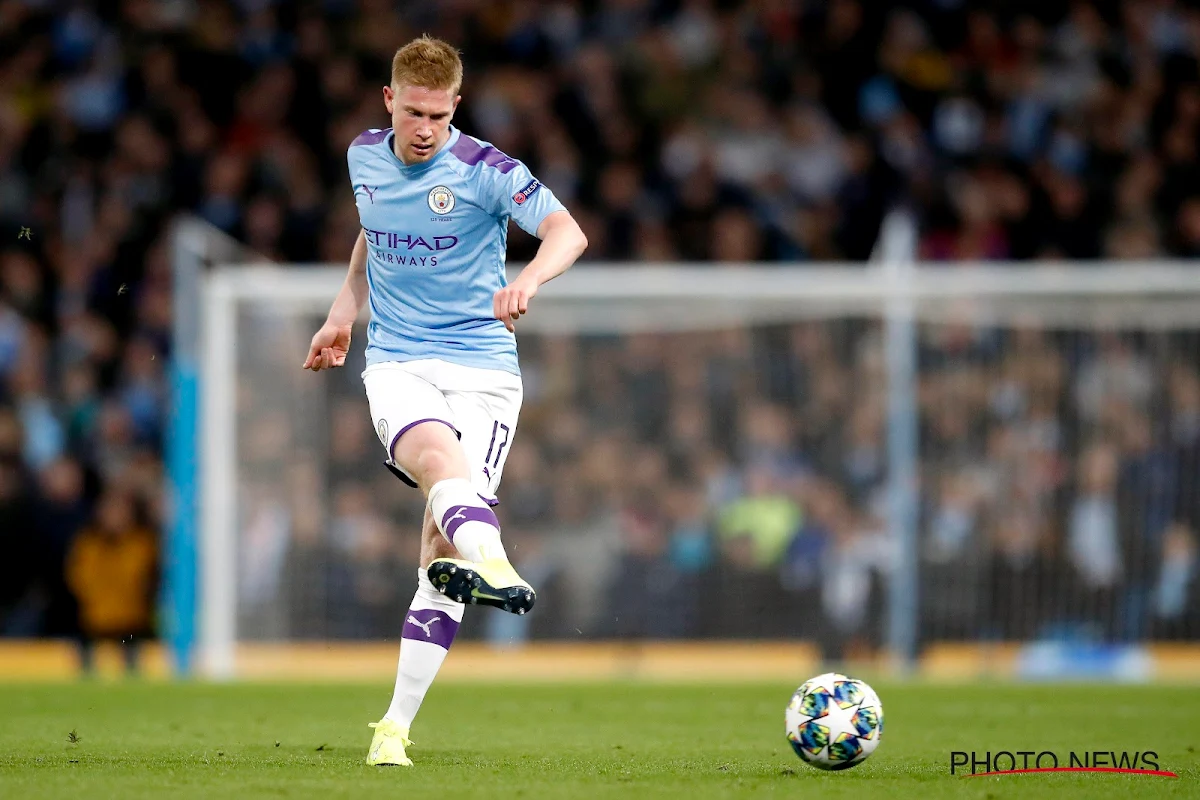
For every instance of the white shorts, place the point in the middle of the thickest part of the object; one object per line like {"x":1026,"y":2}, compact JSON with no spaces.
{"x":480,"y":405}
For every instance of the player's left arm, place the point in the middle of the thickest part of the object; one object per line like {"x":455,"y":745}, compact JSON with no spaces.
{"x":562,"y":243}
{"x":519,"y":196}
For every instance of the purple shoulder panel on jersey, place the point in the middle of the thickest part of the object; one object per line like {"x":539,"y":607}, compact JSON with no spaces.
{"x":471,"y":152}
{"x":371,"y":137}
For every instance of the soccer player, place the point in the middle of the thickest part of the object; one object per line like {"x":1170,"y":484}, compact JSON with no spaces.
{"x":442,"y":378}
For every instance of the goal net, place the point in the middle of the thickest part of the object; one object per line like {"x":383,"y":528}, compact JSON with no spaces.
{"x":863,"y":457}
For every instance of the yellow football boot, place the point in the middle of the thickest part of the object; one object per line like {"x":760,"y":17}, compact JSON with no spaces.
{"x":387,"y":746}
{"x":493,"y":582}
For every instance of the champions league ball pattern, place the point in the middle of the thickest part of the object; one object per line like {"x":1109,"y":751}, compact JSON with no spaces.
{"x":834,"y":722}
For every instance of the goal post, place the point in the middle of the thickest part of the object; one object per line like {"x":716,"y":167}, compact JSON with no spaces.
{"x":242,"y":303}
{"x":195,"y":247}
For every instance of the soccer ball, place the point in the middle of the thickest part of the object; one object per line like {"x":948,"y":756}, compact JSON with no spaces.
{"x":834,"y":722}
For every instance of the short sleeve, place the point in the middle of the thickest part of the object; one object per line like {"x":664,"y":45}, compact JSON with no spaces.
{"x":354,"y":160}
{"x":360,"y":150}
{"x":524,"y":198}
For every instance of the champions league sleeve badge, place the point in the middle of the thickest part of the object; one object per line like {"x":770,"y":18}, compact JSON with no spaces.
{"x":520,"y":197}
{"x":441,"y":200}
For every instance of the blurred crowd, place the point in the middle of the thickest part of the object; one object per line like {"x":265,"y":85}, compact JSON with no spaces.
{"x":676,"y":130}
{"x":733,"y":484}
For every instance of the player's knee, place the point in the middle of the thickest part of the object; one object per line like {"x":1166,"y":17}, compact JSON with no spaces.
{"x":435,"y":464}
{"x":425,"y":453}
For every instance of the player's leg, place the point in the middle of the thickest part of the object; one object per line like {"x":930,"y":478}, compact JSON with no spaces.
{"x":434,"y":457}
{"x":425,"y":451}
{"x":485,"y":404}
{"x":417,"y":427}
{"x":429,"y":628}
{"x":399,"y":402}
{"x":433,"y":543}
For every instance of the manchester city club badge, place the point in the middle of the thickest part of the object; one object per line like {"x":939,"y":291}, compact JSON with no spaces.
{"x":441,"y":200}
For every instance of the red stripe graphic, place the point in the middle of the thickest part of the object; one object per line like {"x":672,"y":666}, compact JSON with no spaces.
{"x":1159,"y":772}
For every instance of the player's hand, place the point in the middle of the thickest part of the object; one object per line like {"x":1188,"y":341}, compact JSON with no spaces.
{"x":329,"y":347}
{"x":512,"y":301}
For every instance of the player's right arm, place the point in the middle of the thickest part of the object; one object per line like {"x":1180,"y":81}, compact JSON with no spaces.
{"x":331,"y":344}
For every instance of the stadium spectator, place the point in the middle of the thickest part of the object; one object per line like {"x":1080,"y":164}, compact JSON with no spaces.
{"x":112,"y":569}
{"x":1176,"y":597}
{"x":1094,"y":532}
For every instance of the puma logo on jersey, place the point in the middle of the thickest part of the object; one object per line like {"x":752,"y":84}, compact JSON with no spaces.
{"x":370,"y":190}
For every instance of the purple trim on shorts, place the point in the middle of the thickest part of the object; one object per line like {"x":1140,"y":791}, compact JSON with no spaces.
{"x":458,"y":515}
{"x":491,"y":501}
{"x":431,"y":626}
{"x":371,"y":137}
{"x":471,"y":152}
{"x":404,"y":430}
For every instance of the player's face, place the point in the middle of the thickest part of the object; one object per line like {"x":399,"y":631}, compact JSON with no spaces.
{"x":421,"y":120}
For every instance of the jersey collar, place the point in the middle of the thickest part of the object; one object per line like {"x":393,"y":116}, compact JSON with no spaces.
{"x":417,"y":169}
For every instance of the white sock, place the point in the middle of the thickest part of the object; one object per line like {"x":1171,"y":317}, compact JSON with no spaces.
{"x":466,"y":520}
{"x":429,"y":628}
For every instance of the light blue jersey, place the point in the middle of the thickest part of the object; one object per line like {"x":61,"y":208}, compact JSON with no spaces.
{"x":437,"y":234}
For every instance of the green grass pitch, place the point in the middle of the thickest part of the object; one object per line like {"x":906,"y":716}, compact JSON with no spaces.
{"x":636,"y":740}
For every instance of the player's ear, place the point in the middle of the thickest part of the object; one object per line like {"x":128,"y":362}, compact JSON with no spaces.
{"x":389,"y":98}
{"x":454,"y":107}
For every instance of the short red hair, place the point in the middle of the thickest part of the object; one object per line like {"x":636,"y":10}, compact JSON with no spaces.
{"x":428,"y":63}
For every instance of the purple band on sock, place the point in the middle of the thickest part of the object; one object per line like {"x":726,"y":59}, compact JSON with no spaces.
{"x":429,"y":625}
{"x":457,"y":515}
